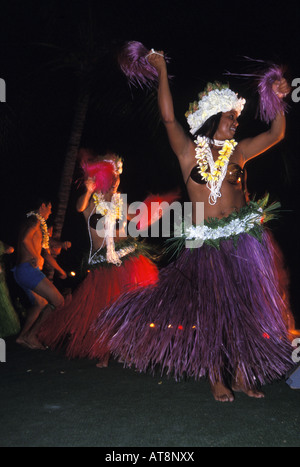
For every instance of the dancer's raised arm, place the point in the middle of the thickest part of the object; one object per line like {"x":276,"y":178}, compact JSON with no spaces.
{"x":180,"y":142}
{"x":252,"y":147}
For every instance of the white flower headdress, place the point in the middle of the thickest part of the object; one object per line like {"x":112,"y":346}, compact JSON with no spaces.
{"x":216,"y":97}
{"x":117,"y":162}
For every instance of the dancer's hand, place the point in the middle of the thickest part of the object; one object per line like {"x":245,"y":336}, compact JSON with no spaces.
{"x":156,"y":59}
{"x":281,"y":88}
{"x":90,"y":185}
{"x":62,"y":274}
{"x":37,"y":262}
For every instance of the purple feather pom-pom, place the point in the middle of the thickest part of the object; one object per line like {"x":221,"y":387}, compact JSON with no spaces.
{"x":270,"y":104}
{"x":134,"y":64}
{"x":265,"y":74}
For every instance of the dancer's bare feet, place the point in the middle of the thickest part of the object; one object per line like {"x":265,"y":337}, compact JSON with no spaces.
{"x":103,"y":363}
{"x":240,"y":386}
{"x":250,"y":392}
{"x":30,"y":342}
{"x":221,"y":393}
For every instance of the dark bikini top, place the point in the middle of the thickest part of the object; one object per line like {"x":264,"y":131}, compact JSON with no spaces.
{"x":235,"y":174}
{"x":96,"y":217}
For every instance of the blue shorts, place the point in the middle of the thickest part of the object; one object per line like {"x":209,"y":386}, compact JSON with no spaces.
{"x":28,"y":277}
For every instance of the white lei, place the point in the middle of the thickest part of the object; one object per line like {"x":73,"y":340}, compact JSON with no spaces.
{"x":44,"y":228}
{"x":234,"y":227}
{"x":217,"y":169}
{"x":111,"y":210}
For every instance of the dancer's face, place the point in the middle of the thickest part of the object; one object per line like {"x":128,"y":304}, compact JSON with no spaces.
{"x":45,"y":210}
{"x":116,"y":184}
{"x":227,"y":126}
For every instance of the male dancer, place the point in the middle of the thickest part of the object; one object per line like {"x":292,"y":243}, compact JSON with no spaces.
{"x":33,"y":250}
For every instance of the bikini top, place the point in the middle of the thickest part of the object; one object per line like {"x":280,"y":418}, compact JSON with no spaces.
{"x":235,"y":174}
{"x":96,"y":217}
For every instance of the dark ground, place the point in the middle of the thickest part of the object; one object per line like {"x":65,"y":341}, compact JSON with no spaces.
{"x":47,"y":400}
{"x":50,"y":401}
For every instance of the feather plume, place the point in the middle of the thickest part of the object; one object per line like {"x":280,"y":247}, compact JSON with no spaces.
{"x":264,"y":75}
{"x":103,"y":172}
{"x":269,"y":103}
{"x":134,"y":64}
{"x":154,"y":207}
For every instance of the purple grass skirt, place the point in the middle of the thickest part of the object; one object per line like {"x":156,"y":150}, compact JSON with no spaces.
{"x":212,"y":312}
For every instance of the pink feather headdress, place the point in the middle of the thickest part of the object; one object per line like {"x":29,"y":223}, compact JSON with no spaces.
{"x":104,"y":172}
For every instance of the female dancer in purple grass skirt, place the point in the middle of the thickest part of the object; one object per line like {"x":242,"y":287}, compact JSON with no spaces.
{"x":218,"y":310}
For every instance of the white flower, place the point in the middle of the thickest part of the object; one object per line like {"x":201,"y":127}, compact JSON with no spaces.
{"x":215,"y":176}
{"x":234,"y":227}
{"x":218,"y":100}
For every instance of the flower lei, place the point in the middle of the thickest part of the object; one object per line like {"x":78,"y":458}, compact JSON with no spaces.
{"x":111,"y":210}
{"x":217,"y":169}
{"x":236,"y":226}
{"x":249,"y":219}
{"x":44,"y":229}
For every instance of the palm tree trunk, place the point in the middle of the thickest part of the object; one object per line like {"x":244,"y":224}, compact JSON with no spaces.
{"x":69,"y":165}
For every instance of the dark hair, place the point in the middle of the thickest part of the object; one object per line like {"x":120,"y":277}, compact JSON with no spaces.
{"x":209,"y":127}
{"x":39,"y":201}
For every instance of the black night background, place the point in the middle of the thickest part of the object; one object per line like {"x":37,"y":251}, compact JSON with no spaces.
{"x":50,"y":49}
{"x":63,"y":88}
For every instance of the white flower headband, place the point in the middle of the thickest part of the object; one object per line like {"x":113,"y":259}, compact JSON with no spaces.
{"x":215,"y":98}
{"x":117,"y":163}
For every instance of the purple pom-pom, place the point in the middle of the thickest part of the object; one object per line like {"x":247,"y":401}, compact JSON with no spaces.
{"x":270,"y":104}
{"x":134,"y":64}
{"x":265,"y":74}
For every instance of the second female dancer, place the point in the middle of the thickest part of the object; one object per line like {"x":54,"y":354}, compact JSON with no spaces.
{"x":117,"y":263}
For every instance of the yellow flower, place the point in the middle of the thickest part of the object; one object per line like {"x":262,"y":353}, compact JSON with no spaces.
{"x":225,"y":152}
{"x":202,"y":152}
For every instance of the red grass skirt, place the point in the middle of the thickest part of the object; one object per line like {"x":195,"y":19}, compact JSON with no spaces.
{"x":70,"y":325}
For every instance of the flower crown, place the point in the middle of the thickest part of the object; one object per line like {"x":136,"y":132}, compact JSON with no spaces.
{"x":103,"y":171}
{"x":117,"y":163}
{"x":215,"y":98}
